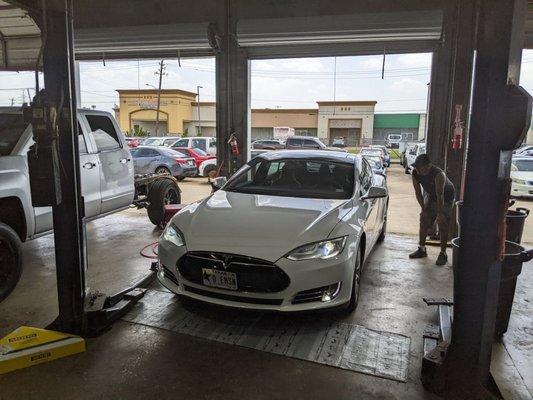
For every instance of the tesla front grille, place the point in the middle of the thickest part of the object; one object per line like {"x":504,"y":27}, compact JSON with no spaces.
{"x":253,"y":274}
{"x":229,"y":297}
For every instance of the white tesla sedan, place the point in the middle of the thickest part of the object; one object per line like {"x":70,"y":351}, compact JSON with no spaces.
{"x":288,"y":232}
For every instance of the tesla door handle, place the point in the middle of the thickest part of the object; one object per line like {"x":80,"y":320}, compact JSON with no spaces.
{"x":124,"y":160}
{"x":89,"y":165}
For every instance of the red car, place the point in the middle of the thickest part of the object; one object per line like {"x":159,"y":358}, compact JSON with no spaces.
{"x":198,"y":154}
{"x":133,"y":142}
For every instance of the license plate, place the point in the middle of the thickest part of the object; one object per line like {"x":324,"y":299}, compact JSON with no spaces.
{"x":219,"y":279}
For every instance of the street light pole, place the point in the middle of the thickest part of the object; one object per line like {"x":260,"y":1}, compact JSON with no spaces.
{"x":198,"y":105}
{"x":160,"y":73}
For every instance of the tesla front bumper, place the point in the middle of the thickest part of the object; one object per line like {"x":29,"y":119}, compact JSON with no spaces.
{"x":313,"y":284}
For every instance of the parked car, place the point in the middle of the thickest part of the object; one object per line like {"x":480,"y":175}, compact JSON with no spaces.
{"x":208,"y":168}
{"x":307,"y":143}
{"x":198,"y":154}
{"x":268,"y":144}
{"x":369,"y":151}
{"x":412,"y":152}
{"x":393,"y":140}
{"x":311,"y":219}
{"x":523,"y":150}
{"x":376,"y":162}
{"x":153,"y":141}
{"x":205,"y":143}
{"x":338,"y":142}
{"x":384,"y":152}
{"x":160,"y":160}
{"x":522,"y":176}
{"x":108,"y":184}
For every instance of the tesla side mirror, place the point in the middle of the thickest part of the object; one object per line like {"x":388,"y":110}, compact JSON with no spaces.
{"x":217,"y":183}
{"x":375,"y":192}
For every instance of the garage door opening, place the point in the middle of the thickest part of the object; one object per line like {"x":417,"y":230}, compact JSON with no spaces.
{"x":347,"y":102}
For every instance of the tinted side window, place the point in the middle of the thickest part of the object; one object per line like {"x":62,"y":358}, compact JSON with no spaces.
{"x":294,"y":142}
{"x":181,"y":143}
{"x":310,"y":144}
{"x":200,"y":143}
{"x":104,"y":133}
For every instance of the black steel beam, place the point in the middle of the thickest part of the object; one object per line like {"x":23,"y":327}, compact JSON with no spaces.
{"x":461,"y":84}
{"x":69,"y":235}
{"x":233,"y":92}
{"x":440,"y":89}
{"x":501,"y":113}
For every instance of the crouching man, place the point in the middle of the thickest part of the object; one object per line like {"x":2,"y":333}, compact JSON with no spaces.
{"x":436,"y":195}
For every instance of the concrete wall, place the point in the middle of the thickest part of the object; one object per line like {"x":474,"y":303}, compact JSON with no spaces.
{"x":300,"y":118}
{"x":362,"y":113}
{"x":141,"y":105}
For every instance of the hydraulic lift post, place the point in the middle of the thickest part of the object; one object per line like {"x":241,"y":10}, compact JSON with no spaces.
{"x":501,"y":113}
{"x":69,"y":229}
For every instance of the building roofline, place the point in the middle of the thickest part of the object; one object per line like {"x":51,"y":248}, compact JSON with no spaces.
{"x":286,"y":110}
{"x":154,"y":91}
{"x":204,"y":103}
{"x":346,"y":103}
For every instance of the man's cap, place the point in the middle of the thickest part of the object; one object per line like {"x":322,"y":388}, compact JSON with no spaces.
{"x":421,"y":160}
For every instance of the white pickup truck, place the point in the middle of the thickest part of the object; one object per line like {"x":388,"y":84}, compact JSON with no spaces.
{"x":108,"y":184}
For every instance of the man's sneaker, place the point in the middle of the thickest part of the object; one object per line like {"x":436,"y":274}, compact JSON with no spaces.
{"x":442,"y":259}
{"x":419,"y":253}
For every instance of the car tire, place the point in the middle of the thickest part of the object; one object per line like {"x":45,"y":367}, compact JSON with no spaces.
{"x":10,"y":260}
{"x":162,"y":170}
{"x":356,"y":284}
{"x":161,"y":192}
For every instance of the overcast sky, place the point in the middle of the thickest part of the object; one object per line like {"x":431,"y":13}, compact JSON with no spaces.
{"x":287,"y":83}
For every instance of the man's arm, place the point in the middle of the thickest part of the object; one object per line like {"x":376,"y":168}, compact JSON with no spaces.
{"x":440,"y":182}
{"x":418,"y":193}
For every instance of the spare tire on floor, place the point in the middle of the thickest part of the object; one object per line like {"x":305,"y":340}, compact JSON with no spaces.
{"x":10,"y":260}
{"x":160,"y":193}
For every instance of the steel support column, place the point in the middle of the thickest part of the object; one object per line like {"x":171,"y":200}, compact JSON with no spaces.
{"x":233,"y":93}
{"x":462,"y":63}
{"x":440,"y":89}
{"x":501,"y":113}
{"x":69,"y":235}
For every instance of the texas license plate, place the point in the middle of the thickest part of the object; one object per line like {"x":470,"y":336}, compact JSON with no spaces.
{"x":219,"y":279}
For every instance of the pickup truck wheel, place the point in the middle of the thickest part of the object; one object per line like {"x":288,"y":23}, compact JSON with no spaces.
{"x":10,"y":260}
{"x":161,"y":193}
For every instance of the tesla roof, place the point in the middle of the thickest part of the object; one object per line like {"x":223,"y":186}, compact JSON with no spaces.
{"x":309,"y":154}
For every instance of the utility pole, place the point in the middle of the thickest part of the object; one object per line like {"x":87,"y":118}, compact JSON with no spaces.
{"x":160,"y":73}
{"x":199,"y":119}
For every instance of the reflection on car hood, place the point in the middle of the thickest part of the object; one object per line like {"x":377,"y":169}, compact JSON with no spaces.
{"x":261,"y":226}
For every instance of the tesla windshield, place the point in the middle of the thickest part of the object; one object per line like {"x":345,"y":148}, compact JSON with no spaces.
{"x":523,"y":165}
{"x":309,"y":178}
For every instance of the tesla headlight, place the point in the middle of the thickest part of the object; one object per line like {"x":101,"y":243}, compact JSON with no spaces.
{"x":174,"y":235}
{"x":323,"y":250}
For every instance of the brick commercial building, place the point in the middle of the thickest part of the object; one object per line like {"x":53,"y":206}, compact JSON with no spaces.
{"x":179,"y":113}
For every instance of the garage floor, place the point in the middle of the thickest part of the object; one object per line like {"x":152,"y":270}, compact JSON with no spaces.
{"x":135,"y":360}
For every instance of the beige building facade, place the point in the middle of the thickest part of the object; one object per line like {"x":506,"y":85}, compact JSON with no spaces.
{"x":180,"y":113}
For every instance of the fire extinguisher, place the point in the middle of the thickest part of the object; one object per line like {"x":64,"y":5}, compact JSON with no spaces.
{"x":457,"y":139}
{"x":234,"y":145}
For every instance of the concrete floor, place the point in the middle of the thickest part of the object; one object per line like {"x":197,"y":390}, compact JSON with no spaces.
{"x":134,"y":361}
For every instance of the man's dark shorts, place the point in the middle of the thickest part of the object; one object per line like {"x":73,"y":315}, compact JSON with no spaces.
{"x":428,"y":218}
